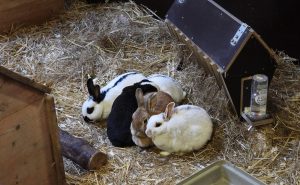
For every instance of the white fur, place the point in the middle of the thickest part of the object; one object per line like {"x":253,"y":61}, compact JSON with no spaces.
{"x":102,"y":109}
{"x":188,"y":129}
{"x":168,"y":85}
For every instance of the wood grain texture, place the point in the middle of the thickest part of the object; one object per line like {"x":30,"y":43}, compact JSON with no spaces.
{"x":81,"y":152}
{"x":54,"y":137}
{"x":29,"y":144}
{"x":26,"y":81}
{"x":26,"y":148}
{"x":14,"y":13}
{"x":14,"y":96}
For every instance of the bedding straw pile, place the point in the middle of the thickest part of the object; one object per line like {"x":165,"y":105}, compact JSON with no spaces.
{"x":106,"y":40}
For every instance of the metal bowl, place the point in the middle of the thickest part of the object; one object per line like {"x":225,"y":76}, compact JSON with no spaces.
{"x":221,"y":173}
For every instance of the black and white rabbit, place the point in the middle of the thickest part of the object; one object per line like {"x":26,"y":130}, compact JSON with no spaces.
{"x":120,"y":117}
{"x":98,"y":105}
{"x":168,"y":85}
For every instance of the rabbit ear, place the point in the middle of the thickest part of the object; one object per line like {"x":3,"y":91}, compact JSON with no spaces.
{"x":91,"y":87}
{"x":94,"y":90}
{"x":169,"y":110}
{"x":150,"y":102}
{"x":97,"y":95}
{"x":139,"y":97}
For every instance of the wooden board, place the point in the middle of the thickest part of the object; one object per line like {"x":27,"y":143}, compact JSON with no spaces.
{"x":15,"y":13}
{"x":50,"y":118}
{"x":26,"y":81}
{"x":26,"y":148}
{"x":14,"y":96}
{"x":29,"y":145}
{"x":209,"y":26}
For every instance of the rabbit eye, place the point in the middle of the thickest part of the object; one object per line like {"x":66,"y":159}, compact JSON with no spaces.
{"x":90,"y":110}
{"x":158,"y":124}
{"x":145,"y":122}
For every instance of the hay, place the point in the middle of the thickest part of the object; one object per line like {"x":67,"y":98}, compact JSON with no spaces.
{"x":109,"y":39}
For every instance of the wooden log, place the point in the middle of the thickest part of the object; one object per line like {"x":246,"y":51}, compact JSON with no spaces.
{"x":81,"y":152}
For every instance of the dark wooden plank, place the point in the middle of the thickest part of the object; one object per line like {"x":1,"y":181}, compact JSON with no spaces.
{"x":209,"y":26}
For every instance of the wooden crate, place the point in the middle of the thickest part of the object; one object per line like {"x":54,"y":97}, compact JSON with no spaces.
{"x":226,"y":47}
{"x":16,"y":13}
{"x":29,"y":146}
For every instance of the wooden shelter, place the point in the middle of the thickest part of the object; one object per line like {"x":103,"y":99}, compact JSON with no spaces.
{"x":226,"y":47}
{"x":29,"y":145}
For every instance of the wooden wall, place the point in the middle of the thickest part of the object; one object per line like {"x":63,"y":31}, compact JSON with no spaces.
{"x":16,"y":13}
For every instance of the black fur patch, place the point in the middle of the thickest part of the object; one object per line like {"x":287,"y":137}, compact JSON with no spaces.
{"x":100,"y":97}
{"x":90,"y":110}
{"x":86,"y":119}
{"x":118,"y":81}
{"x":120,"y":117}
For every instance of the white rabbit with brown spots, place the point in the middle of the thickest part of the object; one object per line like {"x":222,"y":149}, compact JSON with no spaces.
{"x":180,"y":129}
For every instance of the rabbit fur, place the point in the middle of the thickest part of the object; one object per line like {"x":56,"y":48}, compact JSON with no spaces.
{"x":181,"y":129}
{"x":148,"y":105}
{"x":120,"y":117}
{"x":168,"y":85}
{"x":98,"y":105}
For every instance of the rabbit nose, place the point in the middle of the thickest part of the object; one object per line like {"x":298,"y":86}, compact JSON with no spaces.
{"x":86,"y":119}
{"x":148,"y":133}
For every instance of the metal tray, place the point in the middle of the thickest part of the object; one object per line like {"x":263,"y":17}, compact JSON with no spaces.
{"x":221,"y":173}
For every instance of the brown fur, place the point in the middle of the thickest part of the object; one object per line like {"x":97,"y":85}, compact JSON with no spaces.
{"x":148,"y":105}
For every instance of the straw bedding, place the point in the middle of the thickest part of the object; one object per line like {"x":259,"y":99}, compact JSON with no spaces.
{"x":108,"y":39}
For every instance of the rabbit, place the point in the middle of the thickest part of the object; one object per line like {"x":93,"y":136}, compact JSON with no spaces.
{"x":119,"y":119}
{"x":181,"y":129}
{"x":148,"y":105}
{"x":98,"y":106}
{"x":168,"y":85}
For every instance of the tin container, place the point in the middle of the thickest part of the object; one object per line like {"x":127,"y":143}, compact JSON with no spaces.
{"x":221,"y":173}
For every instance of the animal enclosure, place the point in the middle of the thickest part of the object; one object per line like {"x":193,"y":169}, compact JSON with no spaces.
{"x":109,"y":39}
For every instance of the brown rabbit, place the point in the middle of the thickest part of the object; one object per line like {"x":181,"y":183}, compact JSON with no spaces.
{"x":148,"y":105}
